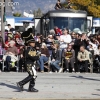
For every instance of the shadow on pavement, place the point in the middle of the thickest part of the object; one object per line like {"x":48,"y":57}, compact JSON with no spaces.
{"x":9,"y":86}
{"x":81,"y":77}
{"x":96,"y":94}
{"x":12,"y":87}
{"x":98,"y":89}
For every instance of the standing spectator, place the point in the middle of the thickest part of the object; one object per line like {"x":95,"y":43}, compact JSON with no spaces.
{"x":57,"y":31}
{"x":82,"y":41}
{"x":65,"y":39}
{"x":78,"y":43}
{"x":69,"y":5}
{"x":44,"y":57}
{"x":78,"y":36}
{"x":1,"y":51}
{"x":58,"y":5}
{"x":73,"y":35}
{"x":11,"y":29}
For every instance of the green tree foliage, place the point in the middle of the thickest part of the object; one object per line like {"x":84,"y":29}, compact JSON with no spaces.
{"x":91,"y":6}
{"x":37,"y":13}
{"x":17,"y":14}
{"x":97,"y":2}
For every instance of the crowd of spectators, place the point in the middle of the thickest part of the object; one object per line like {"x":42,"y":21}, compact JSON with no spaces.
{"x":65,"y":52}
{"x":71,"y":51}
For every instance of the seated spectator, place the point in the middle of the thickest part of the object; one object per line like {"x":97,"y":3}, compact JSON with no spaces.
{"x":17,"y":35}
{"x":58,"y":5}
{"x":97,"y":55}
{"x":38,"y":42}
{"x":44,"y":57}
{"x":83,"y":58}
{"x":7,"y":42}
{"x":10,"y":56}
{"x":97,"y":51}
{"x":94,"y":46}
{"x":91,"y":49}
{"x":57,"y":37}
{"x":10,"y":34}
{"x":19,"y":42}
{"x":56,"y":58}
{"x":52,"y":32}
{"x":49,"y":41}
{"x":94,"y":41}
{"x":69,"y":57}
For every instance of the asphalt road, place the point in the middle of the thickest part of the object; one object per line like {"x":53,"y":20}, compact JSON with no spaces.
{"x":51,"y":86}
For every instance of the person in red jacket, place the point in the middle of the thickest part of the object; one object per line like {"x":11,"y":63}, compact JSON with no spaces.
{"x":58,"y":30}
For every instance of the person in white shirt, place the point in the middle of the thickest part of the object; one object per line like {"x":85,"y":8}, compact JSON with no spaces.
{"x":93,"y":45}
{"x":97,"y":57}
{"x":97,"y":51}
{"x":65,"y":39}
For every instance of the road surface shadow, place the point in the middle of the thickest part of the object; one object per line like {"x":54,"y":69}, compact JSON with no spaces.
{"x":98,"y":89}
{"x":81,"y":77}
{"x":96,"y":94}
{"x":11,"y":86}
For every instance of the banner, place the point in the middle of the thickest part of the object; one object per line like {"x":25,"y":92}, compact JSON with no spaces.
{"x":96,"y":22}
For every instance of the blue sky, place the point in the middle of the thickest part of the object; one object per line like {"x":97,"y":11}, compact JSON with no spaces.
{"x":28,"y":5}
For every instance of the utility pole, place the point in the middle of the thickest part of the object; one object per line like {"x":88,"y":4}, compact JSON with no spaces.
{"x":2,"y":20}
